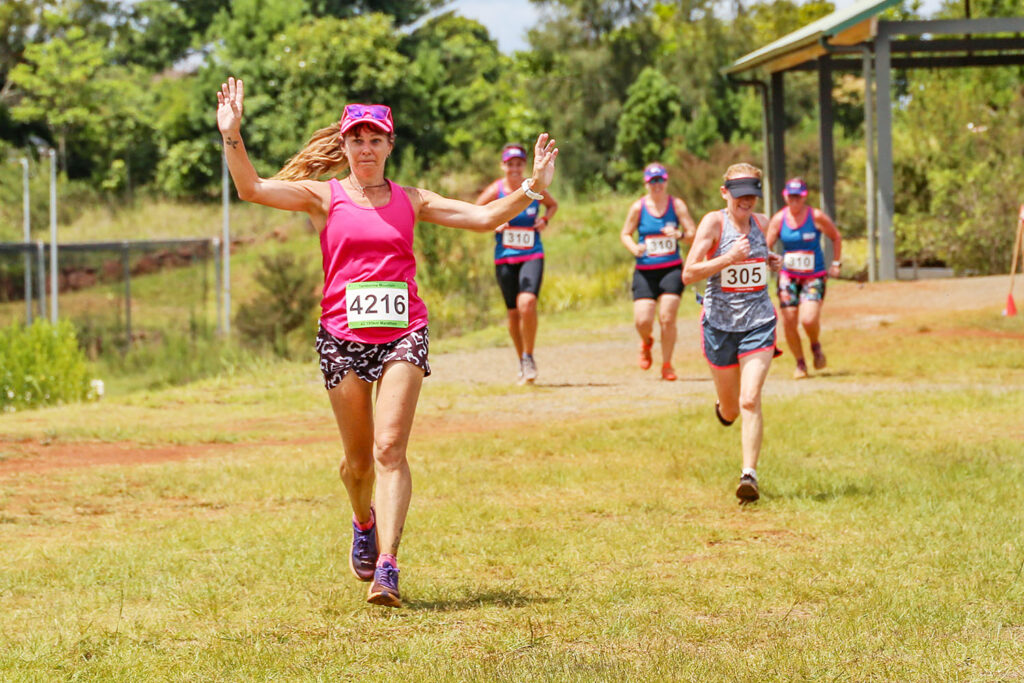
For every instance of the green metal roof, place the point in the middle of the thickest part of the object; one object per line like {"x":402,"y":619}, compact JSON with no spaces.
{"x":830,"y":25}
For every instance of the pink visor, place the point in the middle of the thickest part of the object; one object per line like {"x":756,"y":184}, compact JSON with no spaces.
{"x":513,"y":153}
{"x":377,"y":115}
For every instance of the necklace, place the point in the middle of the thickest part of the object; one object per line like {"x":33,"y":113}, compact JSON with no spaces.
{"x":363,"y":188}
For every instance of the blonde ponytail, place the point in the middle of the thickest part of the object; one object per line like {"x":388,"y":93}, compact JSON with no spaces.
{"x":322,"y":155}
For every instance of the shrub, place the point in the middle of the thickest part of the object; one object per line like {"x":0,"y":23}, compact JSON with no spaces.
{"x":288,"y":294}
{"x":41,"y":364}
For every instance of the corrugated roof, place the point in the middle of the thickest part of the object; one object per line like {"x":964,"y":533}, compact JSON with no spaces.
{"x":810,"y":34}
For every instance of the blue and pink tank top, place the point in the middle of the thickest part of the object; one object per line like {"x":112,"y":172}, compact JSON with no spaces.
{"x":736,"y":298}
{"x":519,"y":241}
{"x":802,"y":256}
{"x":370,"y":293}
{"x":662,"y":250}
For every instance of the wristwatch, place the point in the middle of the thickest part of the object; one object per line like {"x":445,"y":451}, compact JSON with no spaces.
{"x":527,"y":185}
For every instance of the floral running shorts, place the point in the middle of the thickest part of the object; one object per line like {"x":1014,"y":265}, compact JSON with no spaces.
{"x":338,"y":356}
{"x":793,"y":291}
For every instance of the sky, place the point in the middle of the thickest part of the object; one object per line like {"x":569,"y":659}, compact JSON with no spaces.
{"x":508,"y":20}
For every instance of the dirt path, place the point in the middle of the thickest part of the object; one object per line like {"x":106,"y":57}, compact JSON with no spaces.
{"x":591,"y":378}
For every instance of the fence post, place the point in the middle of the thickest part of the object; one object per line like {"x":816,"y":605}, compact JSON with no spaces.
{"x":126,"y":267}
{"x":219,"y":285}
{"x":54,"y":285}
{"x":27,"y":220}
{"x":225,"y":185}
{"x":41,"y":277}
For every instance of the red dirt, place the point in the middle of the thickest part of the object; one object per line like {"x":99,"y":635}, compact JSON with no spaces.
{"x":595,"y":387}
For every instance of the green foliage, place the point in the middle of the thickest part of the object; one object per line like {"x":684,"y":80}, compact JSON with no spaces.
{"x":652,"y":103}
{"x":954,"y":205}
{"x":41,"y":365}
{"x":189,"y":166}
{"x":287,"y":295}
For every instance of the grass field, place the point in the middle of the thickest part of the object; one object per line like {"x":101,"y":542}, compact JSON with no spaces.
{"x":582,"y":530}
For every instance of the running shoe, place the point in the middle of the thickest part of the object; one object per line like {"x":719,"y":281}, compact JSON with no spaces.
{"x":384,"y":589}
{"x":747,"y":490}
{"x":819,"y":356}
{"x":801,"y":370}
{"x":519,"y":375}
{"x":363,"y":558}
{"x":667,"y":373}
{"x":529,"y":368}
{"x":718,"y":414}
{"x":644,"y":361}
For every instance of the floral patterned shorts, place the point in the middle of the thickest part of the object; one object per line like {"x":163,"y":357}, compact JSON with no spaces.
{"x":338,"y":356}
{"x":793,"y":291}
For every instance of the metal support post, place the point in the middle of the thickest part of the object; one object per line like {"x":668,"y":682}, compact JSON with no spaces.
{"x":41,"y":278}
{"x":126,"y":269}
{"x":886,"y":202}
{"x":777,"y":170}
{"x":869,"y":167}
{"x":226,"y":243}
{"x":53,"y":237}
{"x":27,"y":224}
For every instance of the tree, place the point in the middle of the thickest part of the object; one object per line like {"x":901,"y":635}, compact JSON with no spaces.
{"x":652,"y":104}
{"x":60,"y":82}
{"x":403,"y":12}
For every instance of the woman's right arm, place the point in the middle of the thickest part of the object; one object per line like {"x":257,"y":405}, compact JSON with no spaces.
{"x":309,"y":196}
{"x":626,"y":236}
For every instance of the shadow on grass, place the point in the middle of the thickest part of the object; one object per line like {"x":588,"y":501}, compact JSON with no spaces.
{"x":573,"y":385}
{"x":498,"y":598}
{"x":850,"y":490}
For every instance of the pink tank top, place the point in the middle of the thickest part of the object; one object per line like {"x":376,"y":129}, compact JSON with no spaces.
{"x":370,"y":293}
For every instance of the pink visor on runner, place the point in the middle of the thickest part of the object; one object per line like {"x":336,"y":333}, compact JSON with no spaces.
{"x":377,"y":115}
{"x":796,"y":187}
{"x":513,"y":152}
{"x":655,"y":171}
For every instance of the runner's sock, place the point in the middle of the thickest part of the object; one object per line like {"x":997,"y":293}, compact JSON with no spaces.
{"x":368,"y":525}
{"x":387,"y":559}
{"x":749,"y":470}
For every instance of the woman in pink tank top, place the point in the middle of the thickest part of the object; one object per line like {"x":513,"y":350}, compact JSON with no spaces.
{"x":373,"y":324}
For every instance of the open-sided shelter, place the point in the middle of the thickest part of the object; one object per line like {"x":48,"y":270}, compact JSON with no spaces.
{"x":855,"y":39}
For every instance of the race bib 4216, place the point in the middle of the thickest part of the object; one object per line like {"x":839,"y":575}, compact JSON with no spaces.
{"x":377,"y":304}
{"x":746,"y":276}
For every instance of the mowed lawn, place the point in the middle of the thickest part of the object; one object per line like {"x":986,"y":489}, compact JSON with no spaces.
{"x":888,"y":543}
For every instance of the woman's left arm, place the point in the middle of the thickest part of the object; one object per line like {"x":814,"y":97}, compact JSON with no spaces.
{"x":689,"y":230}
{"x":550,"y":207}
{"x":825,"y":224}
{"x":433,"y":208}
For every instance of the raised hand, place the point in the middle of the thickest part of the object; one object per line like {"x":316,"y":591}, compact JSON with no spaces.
{"x":229,"y":105}
{"x":544,"y":155}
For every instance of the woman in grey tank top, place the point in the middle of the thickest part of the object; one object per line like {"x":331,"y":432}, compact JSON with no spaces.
{"x":738,"y":322}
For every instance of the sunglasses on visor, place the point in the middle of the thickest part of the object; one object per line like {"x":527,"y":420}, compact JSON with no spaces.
{"x":378,"y":112}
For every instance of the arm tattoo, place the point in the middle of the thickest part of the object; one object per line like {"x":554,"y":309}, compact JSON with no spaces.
{"x":232,"y":142}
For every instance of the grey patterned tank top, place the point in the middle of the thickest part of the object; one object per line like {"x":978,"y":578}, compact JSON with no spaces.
{"x":736,"y":298}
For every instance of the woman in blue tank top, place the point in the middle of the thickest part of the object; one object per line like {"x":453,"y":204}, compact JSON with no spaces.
{"x":519,"y":257}
{"x":738,"y":323}
{"x":658,"y":277}
{"x":801,"y":287}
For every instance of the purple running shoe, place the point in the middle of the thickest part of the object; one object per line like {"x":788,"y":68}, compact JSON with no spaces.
{"x":363,"y":558}
{"x":384,"y":589}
